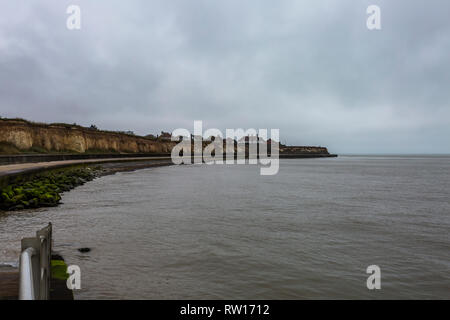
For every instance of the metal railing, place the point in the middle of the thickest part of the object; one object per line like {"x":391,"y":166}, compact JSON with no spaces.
{"x":35,"y":266}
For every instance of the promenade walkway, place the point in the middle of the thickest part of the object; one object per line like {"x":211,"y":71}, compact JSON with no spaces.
{"x":13,"y":169}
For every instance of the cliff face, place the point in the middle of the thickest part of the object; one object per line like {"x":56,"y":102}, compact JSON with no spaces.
{"x":57,"y":138}
{"x":22,"y":136}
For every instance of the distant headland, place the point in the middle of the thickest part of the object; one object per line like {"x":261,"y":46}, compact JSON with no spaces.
{"x":19,"y":136}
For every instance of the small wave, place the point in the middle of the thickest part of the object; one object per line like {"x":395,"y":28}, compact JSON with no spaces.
{"x":9,"y":264}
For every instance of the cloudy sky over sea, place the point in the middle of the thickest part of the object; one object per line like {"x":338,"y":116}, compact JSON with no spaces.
{"x":310,"y":68}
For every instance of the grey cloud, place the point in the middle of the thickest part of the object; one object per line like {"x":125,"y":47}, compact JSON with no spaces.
{"x":309,"y":68}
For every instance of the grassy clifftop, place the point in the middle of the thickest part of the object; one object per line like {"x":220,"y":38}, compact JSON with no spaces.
{"x":22,"y":136}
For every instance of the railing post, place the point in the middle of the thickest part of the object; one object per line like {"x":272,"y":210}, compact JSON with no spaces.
{"x":45,"y":238}
{"x":29,"y":264}
{"x":26,"y":286}
{"x":35,"y":266}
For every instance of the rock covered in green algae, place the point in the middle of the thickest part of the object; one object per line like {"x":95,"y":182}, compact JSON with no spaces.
{"x":44,"y":189}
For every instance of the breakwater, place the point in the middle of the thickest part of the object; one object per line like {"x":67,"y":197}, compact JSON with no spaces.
{"x":44,"y":189}
{"x":33,"y":158}
{"x":35,"y":185}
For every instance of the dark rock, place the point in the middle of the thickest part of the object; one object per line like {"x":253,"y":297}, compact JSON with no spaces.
{"x":84,"y":250}
{"x":43,"y":190}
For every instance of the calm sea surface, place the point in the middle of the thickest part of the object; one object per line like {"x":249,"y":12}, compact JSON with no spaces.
{"x":212,"y":232}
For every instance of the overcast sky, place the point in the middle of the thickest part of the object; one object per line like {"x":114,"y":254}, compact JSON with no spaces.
{"x":310,"y":68}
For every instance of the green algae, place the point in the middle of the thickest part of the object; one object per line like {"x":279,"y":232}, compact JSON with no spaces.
{"x":59,"y":270}
{"x":44,"y":190}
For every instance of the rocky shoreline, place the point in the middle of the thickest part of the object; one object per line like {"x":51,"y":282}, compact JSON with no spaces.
{"x":44,"y":189}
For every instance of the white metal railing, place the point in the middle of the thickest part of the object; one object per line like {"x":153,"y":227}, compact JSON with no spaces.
{"x":26,"y":287}
{"x":35,"y":266}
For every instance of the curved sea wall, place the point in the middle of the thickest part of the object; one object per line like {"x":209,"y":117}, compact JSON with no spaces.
{"x":26,"y":136}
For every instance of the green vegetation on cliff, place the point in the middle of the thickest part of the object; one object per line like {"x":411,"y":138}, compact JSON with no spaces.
{"x":18,"y":136}
{"x":44,"y":190}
